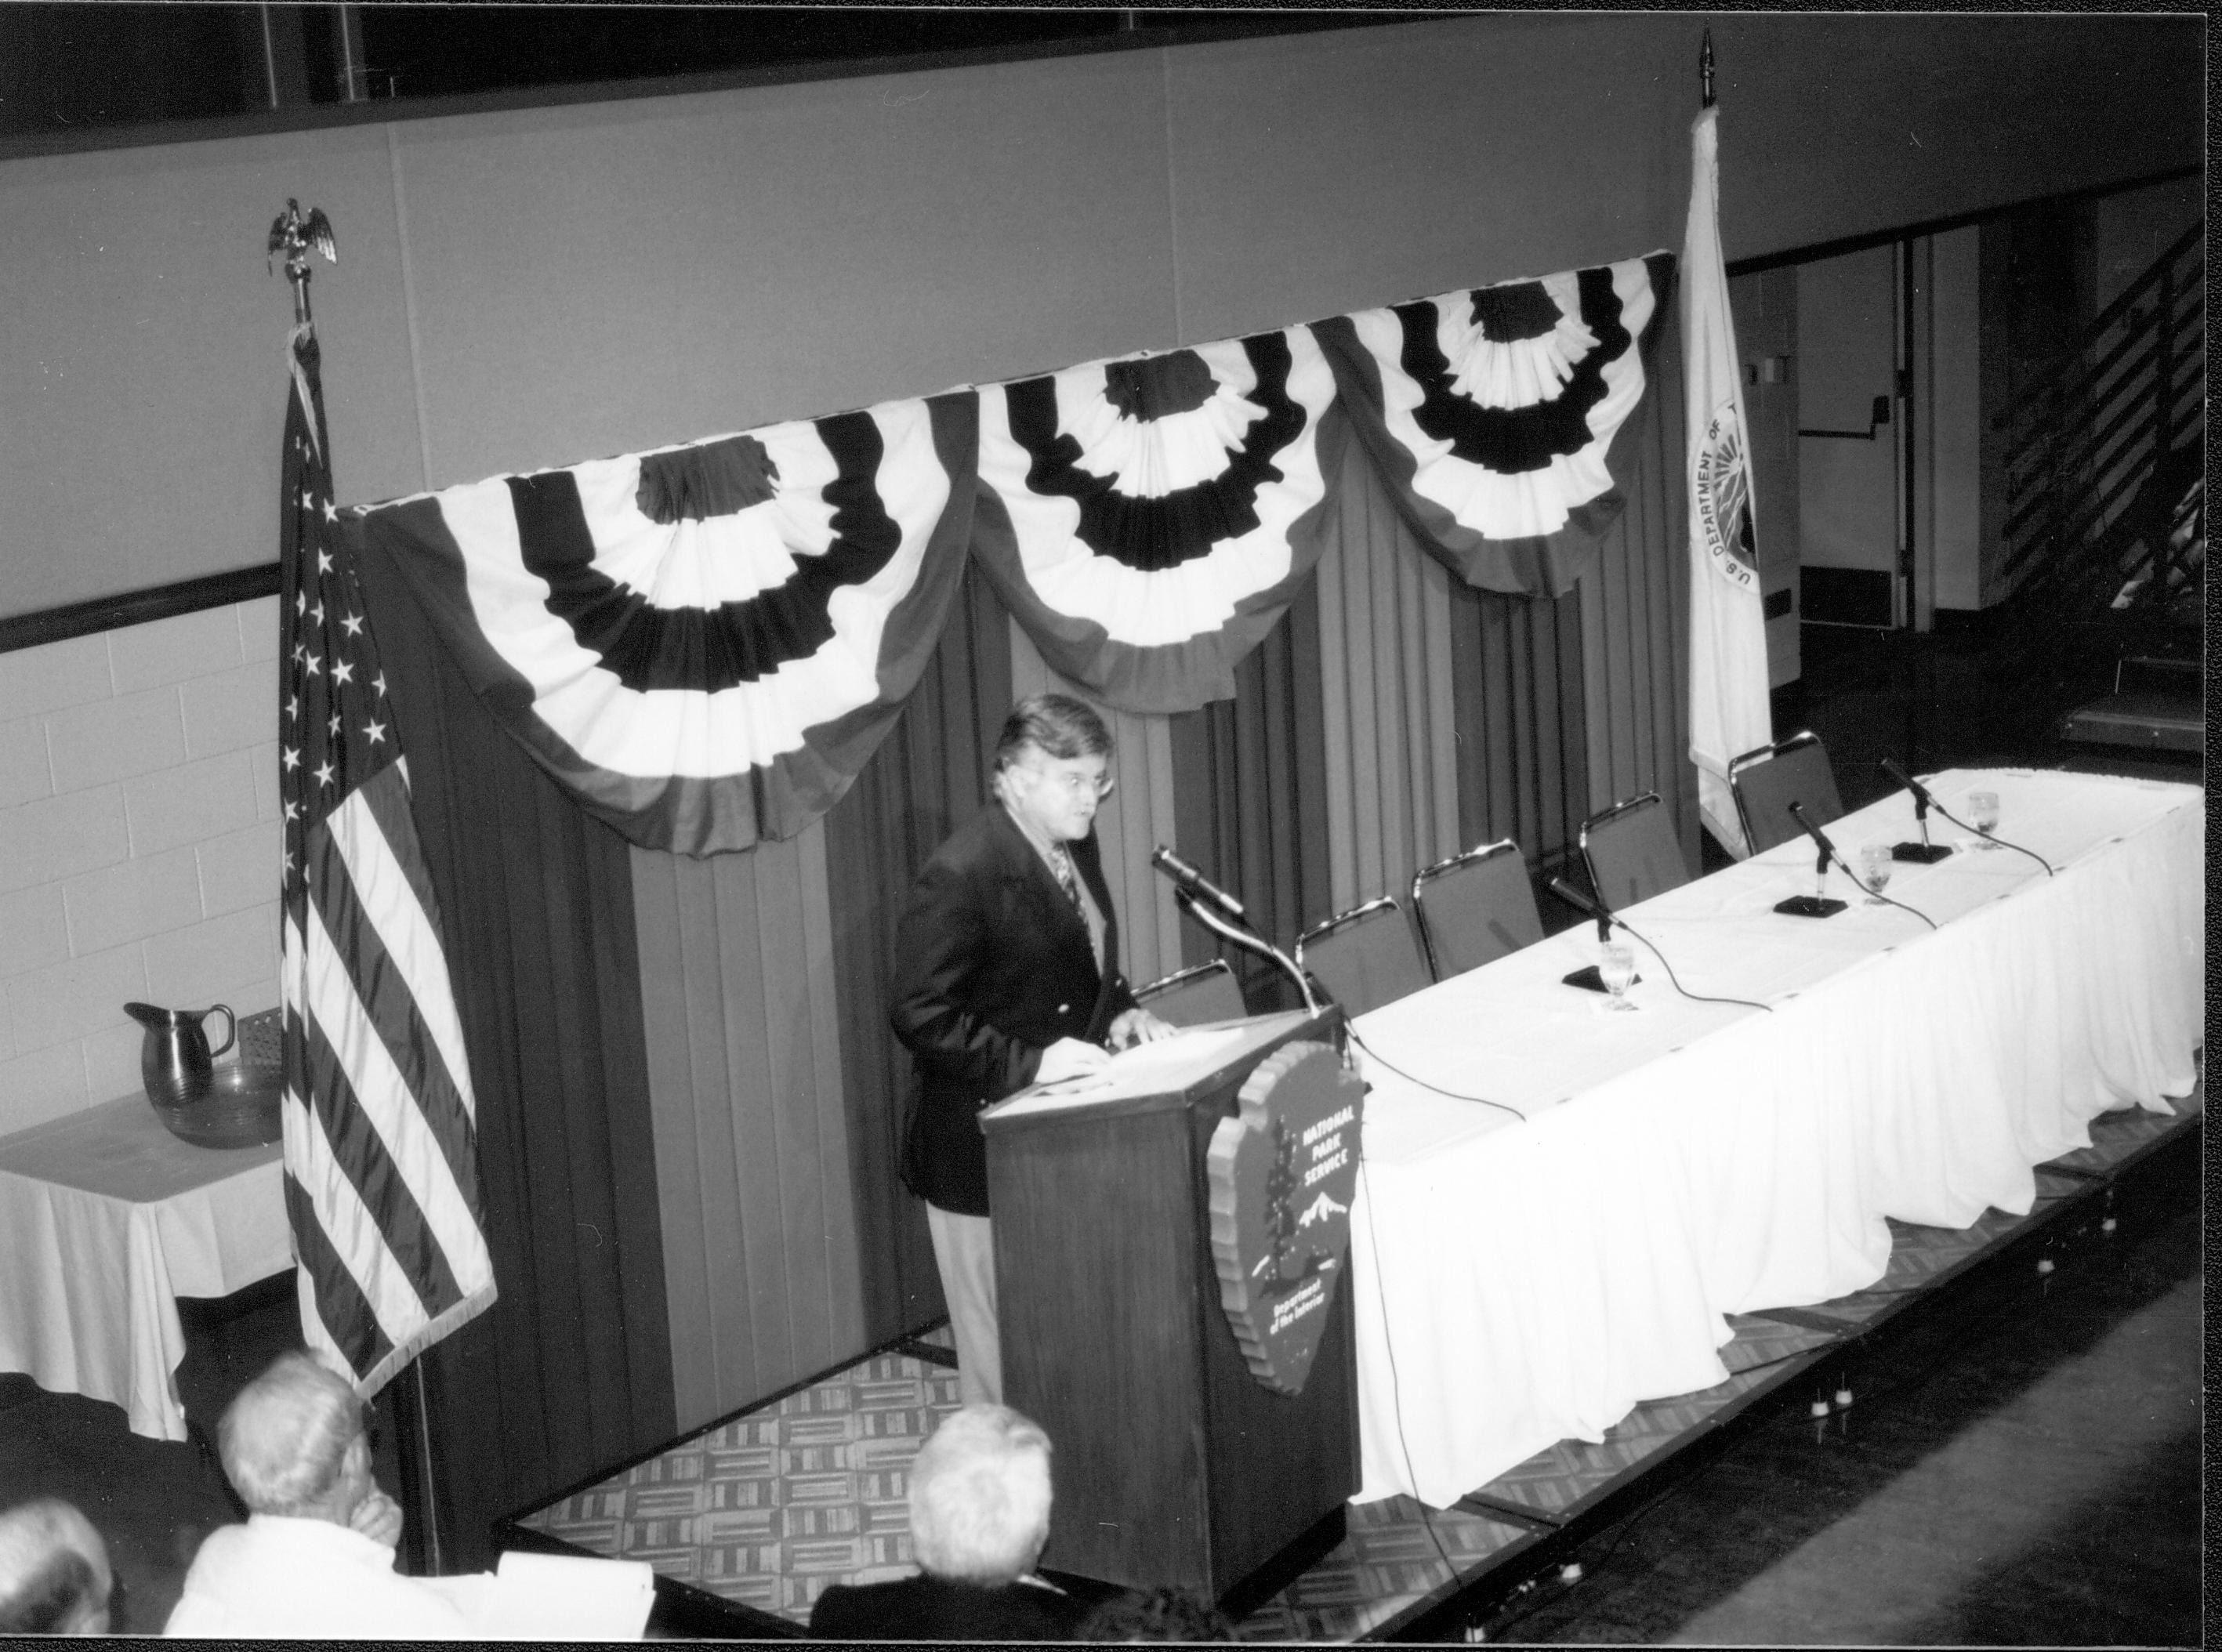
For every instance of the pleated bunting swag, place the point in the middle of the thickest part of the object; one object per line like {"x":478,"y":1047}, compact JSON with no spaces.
{"x":704,"y":644}
{"x":1148,"y":520}
{"x":1490,"y":413}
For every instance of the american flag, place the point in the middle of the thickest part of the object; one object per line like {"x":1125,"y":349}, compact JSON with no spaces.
{"x":381,"y":1155}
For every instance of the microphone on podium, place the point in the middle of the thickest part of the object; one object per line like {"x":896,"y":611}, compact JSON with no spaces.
{"x":1195,"y":883}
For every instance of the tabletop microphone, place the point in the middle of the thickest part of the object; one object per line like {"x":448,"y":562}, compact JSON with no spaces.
{"x":1924,"y":851}
{"x":1580,"y":903}
{"x":1194,"y":881}
{"x":1814,"y":905}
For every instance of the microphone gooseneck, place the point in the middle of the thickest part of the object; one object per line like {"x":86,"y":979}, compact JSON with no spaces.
{"x":1194,"y":881}
{"x":1826,"y":851}
{"x":1921,"y":799}
{"x":1580,"y":903}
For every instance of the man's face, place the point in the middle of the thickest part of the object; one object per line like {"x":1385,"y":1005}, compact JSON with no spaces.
{"x":1057,"y":796}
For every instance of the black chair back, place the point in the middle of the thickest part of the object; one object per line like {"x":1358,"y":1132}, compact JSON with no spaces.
{"x":1475,"y":907}
{"x":1632,"y":853}
{"x":1190,"y":997}
{"x":1364,"y":957}
{"x":1769,"y":780}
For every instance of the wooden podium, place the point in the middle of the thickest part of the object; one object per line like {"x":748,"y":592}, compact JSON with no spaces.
{"x":1174,"y":1464}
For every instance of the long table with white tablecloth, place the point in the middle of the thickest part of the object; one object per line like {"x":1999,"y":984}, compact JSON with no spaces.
{"x":1530,"y":1275}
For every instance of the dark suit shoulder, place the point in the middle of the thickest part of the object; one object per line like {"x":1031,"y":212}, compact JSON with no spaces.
{"x":933,"y":1609}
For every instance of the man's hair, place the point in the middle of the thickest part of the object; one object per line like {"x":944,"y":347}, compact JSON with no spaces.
{"x":49,"y":1584}
{"x":980,"y":1497}
{"x":1057,"y":725}
{"x":283,"y":1439}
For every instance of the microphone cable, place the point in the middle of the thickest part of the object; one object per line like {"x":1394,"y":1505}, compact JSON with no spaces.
{"x":1351,"y":1033}
{"x":1697,"y":997}
{"x":1887,"y":900}
{"x":2050,"y":870}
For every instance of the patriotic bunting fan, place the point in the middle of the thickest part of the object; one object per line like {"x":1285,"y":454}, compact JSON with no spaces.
{"x":705,"y":643}
{"x":1147,"y":520}
{"x":1491,"y":413}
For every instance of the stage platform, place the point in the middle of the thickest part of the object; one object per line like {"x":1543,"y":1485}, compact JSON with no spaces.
{"x":746,"y":1522}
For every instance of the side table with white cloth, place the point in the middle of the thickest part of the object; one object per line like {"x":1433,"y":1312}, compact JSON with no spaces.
{"x":1525,"y":1279}
{"x":106,"y":1219}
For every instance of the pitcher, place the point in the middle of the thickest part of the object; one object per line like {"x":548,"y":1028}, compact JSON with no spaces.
{"x":175,"y":1062}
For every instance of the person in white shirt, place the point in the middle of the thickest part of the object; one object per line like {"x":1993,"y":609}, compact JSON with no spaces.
{"x":314,"y":1560}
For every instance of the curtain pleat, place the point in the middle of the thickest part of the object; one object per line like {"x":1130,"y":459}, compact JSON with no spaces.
{"x":760,"y":1227}
{"x":926,"y":779}
{"x":1518,"y":683}
{"x":1384,"y":646}
{"x":1635,"y":622}
{"x":571,"y":1369}
{"x":1250,"y":780}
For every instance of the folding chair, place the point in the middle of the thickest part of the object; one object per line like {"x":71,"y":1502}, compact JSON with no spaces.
{"x":1474,"y":908}
{"x":1631,"y":852}
{"x":1364,"y":957}
{"x":1769,"y":780}
{"x":1189,"y":997}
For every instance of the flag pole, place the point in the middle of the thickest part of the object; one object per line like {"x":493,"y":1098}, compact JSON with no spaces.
{"x":296,"y":235}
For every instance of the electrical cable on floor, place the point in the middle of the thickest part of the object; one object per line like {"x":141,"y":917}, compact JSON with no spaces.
{"x":1456,"y":1095}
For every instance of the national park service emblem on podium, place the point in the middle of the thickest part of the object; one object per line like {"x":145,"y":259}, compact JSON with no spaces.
{"x":1281,"y":1172}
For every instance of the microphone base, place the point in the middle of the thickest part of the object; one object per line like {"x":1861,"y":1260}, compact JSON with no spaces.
{"x":1589,"y":979}
{"x":1928,"y":854}
{"x":1809,"y":906}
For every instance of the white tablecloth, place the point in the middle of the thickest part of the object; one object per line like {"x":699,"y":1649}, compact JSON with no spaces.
{"x":105,"y":1221}
{"x":1525,"y":1281}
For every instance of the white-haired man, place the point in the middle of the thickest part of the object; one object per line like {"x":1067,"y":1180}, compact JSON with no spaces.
{"x":979,"y":1515}
{"x":54,"y":1576}
{"x":314,"y":1560}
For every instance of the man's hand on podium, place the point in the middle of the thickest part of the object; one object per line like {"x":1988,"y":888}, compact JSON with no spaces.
{"x":1139,"y":1025}
{"x":1069,"y":1059}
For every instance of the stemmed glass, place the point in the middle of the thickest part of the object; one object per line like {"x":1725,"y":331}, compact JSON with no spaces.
{"x":1617,"y":969}
{"x":1983,"y":815}
{"x":1874,"y":872}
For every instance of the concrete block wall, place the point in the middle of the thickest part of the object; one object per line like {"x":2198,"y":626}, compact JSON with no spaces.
{"x":138,"y":845}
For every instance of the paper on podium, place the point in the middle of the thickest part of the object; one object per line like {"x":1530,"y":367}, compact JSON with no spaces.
{"x":565,"y":1598}
{"x":1138,"y":1069}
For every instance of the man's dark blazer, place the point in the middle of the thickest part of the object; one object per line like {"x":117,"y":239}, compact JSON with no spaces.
{"x":992,"y":966}
{"x":933,"y":1609}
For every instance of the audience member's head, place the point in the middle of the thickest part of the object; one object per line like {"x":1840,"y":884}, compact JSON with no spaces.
{"x":1156,"y":1615}
{"x":980,"y":1497}
{"x":292,"y":1443}
{"x":54,"y":1576}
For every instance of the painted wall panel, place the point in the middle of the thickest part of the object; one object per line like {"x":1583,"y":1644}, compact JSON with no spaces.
{"x":598,"y":277}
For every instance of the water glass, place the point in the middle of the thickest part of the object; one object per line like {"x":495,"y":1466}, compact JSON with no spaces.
{"x":1983,"y":814}
{"x":1616,"y":968}
{"x":1874,"y":872}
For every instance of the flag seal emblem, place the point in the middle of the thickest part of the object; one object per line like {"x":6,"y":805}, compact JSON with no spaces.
{"x":1723,"y":498}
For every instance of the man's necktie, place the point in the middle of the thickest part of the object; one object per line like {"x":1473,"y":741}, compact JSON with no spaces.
{"x":1067,"y":879}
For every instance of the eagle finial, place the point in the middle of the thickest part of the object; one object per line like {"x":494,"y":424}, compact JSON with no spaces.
{"x":296,"y":234}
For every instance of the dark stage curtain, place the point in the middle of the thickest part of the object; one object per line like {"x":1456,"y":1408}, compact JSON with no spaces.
{"x":1249,"y":778}
{"x":570,"y":1371}
{"x":1516,"y":682}
{"x":926,"y":779}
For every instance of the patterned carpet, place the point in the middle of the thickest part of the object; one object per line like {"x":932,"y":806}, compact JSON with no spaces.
{"x":765,"y":1510}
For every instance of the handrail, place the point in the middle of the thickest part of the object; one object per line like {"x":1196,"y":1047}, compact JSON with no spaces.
{"x":2195,"y":235}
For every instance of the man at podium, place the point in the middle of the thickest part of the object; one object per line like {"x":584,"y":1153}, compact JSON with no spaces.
{"x":1006,"y":975}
